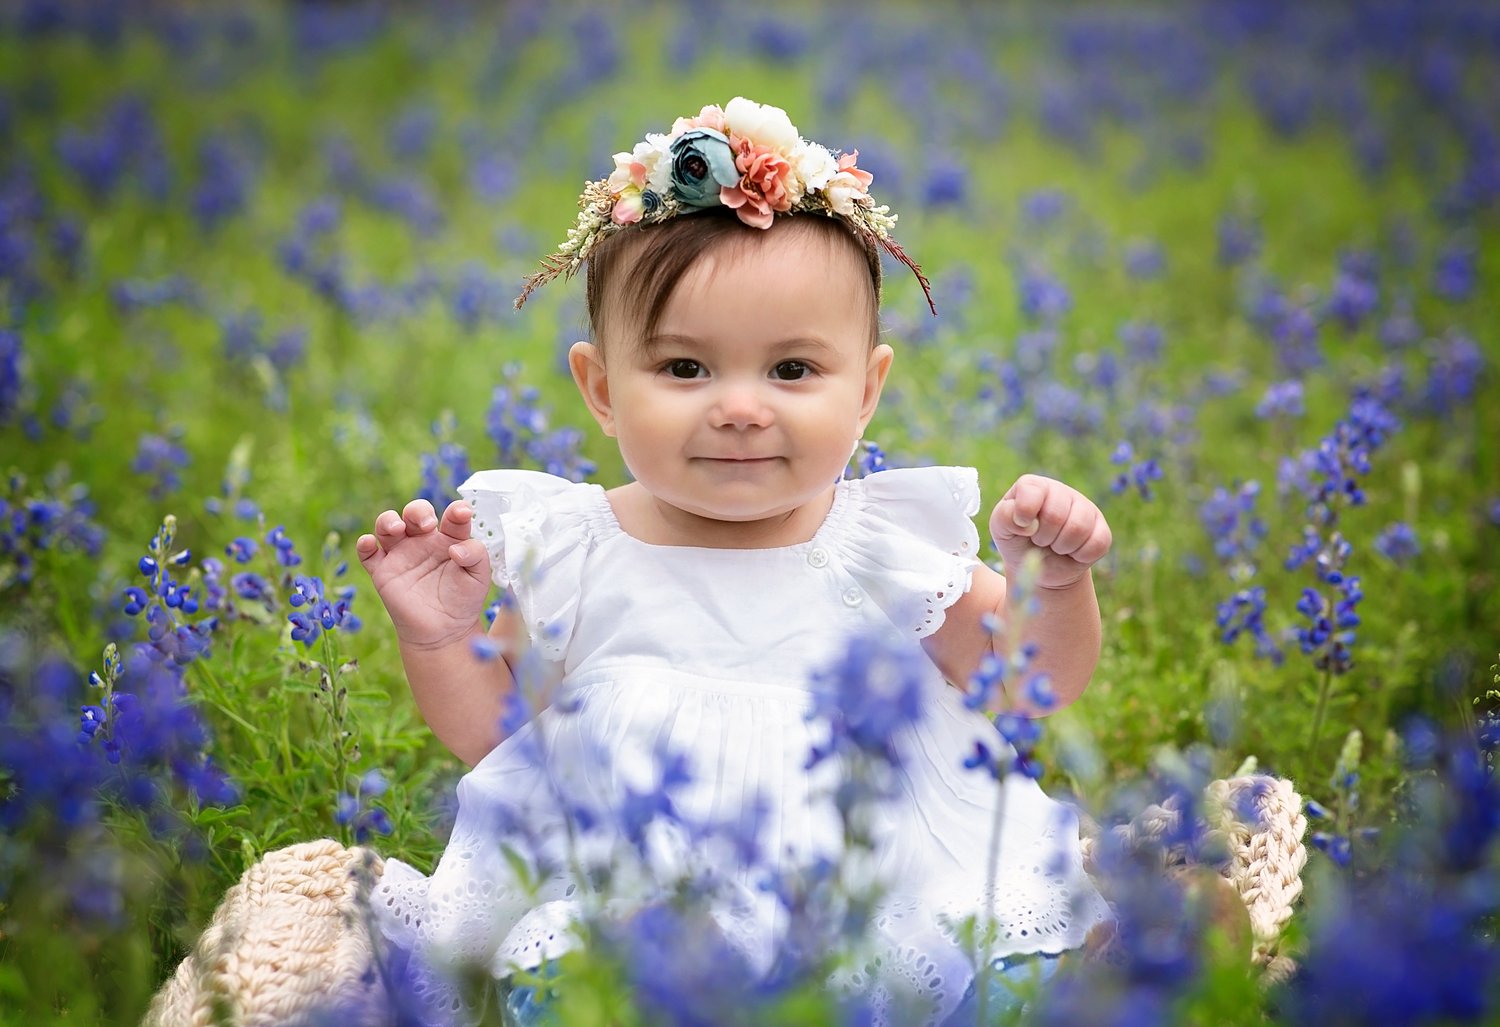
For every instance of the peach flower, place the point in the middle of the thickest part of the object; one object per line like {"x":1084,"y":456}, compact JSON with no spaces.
{"x":629,"y":206}
{"x":711,"y":116}
{"x":848,"y":185}
{"x":765,"y":184}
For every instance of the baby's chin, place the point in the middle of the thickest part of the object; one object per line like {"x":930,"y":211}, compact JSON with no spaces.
{"x":747,"y":507}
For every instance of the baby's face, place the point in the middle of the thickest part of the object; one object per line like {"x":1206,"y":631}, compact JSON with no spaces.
{"x":747,"y":401}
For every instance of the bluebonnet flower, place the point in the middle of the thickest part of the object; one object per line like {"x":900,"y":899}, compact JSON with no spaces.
{"x":1145,"y":260}
{"x":319,"y":32}
{"x":1239,"y":240}
{"x":513,"y":417}
{"x":410,"y":136}
{"x":12,"y":375}
{"x":479,"y":297}
{"x":556,"y":452}
{"x":409,"y":198}
{"x":1455,"y":274}
{"x":60,"y":518}
{"x":123,"y":141}
{"x":442,"y":473}
{"x":314,"y":612}
{"x":1042,"y":297}
{"x":1232,"y":524}
{"x":1244,"y":613}
{"x":493,"y":176}
{"x":1055,"y":405}
{"x":1331,"y":622}
{"x":868,"y":698}
{"x":167,"y":604}
{"x":160,"y":458}
{"x":1283,"y":98}
{"x":870,"y":459}
{"x":355,"y":808}
{"x":1328,"y":472}
{"x":1398,"y":543}
{"x":518,"y":426}
{"x":1355,"y":293}
{"x":1453,"y":376}
{"x":778,"y":40}
{"x":1021,"y":734}
{"x":946,"y":184}
{"x":1338,"y":842}
{"x":285,"y":549}
{"x":681,"y":968}
{"x":1399,"y":329}
{"x":1143,"y":341}
{"x":1282,"y":399}
{"x":1139,"y":474}
{"x":1066,"y":115}
{"x":1154,"y":950}
{"x":1102,"y":369}
{"x":225,"y":178}
{"x":1035,"y":350}
{"x":130,"y":295}
{"x":1409,"y":940}
{"x":1043,"y":206}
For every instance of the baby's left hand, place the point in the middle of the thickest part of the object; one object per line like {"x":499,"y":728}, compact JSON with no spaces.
{"x":1059,"y":521}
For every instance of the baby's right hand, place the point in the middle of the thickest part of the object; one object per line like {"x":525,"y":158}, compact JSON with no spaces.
{"x":432,"y":577}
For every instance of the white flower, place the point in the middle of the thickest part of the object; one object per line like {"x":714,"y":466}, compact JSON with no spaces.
{"x":656,"y":154}
{"x":653,"y":155}
{"x":843,"y":190}
{"x":812,"y":165}
{"x":762,"y":124}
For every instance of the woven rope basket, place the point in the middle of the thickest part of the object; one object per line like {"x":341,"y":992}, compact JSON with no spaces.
{"x":288,"y":939}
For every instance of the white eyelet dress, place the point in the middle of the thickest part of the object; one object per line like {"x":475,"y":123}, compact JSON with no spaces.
{"x":708,"y":653}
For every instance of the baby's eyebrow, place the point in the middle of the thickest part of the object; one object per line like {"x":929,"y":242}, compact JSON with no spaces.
{"x":656,"y":343}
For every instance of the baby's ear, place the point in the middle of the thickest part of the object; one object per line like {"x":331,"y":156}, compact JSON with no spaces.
{"x":876,"y":369}
{"x":587,"y":364}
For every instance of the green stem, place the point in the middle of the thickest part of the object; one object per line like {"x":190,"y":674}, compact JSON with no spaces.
{"x":991,"y":873}
{"x":1317,"y":728}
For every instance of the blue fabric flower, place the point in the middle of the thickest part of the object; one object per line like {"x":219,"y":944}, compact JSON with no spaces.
{"x":702,"y":163}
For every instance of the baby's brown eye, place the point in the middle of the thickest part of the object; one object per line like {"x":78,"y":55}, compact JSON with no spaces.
{"x":684,"y":368}
{"x":791,"y":370}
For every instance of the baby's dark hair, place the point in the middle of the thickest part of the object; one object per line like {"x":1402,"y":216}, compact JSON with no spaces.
{"x":656,"y":257}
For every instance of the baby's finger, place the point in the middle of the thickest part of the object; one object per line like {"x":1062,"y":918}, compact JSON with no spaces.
{"x":1007,"y":522}
{"x":419,"y":516}
{"x":366,"y":548}
{"x":1030,"y":493}
{"x":1056,"y":509}
{"x":1097,"y":545}
{"x":456,"y":520}
{"x":1079,"y":526}
{"x":471,"y":555}
{"x":389,"y":529}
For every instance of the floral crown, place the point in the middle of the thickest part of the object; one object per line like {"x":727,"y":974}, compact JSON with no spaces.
{"x":746,"y":156}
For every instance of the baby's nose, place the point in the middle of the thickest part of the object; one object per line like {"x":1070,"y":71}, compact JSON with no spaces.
{"x":742,"y":406}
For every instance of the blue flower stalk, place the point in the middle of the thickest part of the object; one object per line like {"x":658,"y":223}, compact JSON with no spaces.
{"x":1020,"y":733}
{"x":1327,"y":477}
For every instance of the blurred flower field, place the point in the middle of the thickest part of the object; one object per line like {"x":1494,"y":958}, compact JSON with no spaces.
{"x":1230,"y":268}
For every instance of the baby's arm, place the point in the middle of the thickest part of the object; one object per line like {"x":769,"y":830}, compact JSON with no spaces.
{"x":1069,"y":534}
{"x":433,"y":579}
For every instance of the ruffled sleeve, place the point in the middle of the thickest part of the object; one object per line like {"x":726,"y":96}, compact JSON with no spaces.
{"x":908,"y":540}
{"x":538,"y":529}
